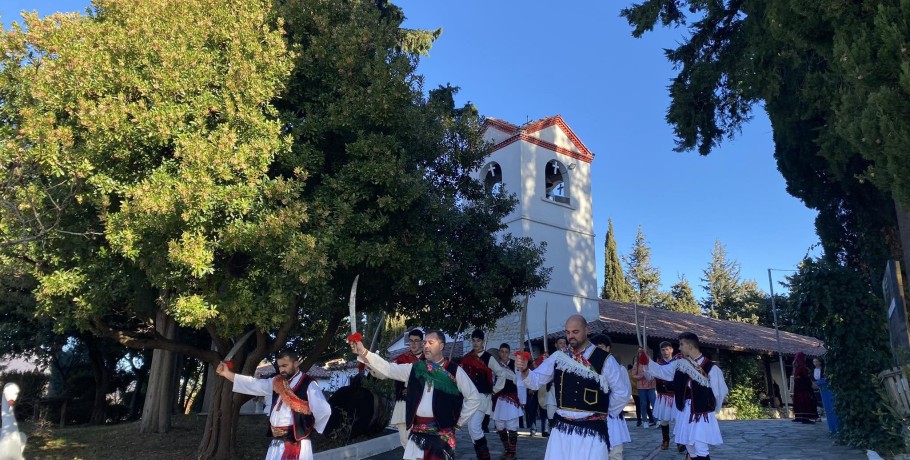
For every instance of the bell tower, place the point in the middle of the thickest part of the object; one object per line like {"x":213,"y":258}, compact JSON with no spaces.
{"x":548,"y":168}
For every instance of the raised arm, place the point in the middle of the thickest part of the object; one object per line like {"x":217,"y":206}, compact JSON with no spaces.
{"x":542,"y":375}
{"x":399,"y":372}
{"x":664,"y":372}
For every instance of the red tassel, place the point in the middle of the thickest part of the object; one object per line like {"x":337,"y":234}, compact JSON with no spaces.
{"x":230,"y":365}
{"x":524,"y":354}
{"x":355,"y":337}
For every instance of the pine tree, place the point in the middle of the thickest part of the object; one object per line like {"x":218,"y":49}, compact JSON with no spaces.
{"x":644,"y":278}
{"x":681,"y":299}
{"x":615,"y":286}
{"x":721,"y":282}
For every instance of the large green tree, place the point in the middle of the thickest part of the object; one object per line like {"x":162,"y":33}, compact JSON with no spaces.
{"x":641,"y":275}
{"x":722,"y":282}
{"x":220,"y":165}
{"x":616,"y":286}
{"x":806,"y":63}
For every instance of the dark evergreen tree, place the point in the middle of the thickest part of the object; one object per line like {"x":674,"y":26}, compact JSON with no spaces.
{"x":681,"y":299}
{"x":615,"y":286}
{"x":641,"y":275}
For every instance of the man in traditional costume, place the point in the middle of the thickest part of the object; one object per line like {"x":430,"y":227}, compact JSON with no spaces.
{"x":440,"y":399}
{"x":481,"y":367}
{"x":298,"y":406}
{"x":414,"y":354}
{"x":665,"y":407}
{"x":510,"y":401}
{"x":617,"y":428}
{"x":699,"y":389}
{"x":582,"y":381}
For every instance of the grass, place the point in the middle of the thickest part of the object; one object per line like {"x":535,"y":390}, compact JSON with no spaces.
{"x":123,"y":441}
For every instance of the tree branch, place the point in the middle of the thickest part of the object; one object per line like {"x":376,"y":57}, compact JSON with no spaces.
{"x":157,"y":342}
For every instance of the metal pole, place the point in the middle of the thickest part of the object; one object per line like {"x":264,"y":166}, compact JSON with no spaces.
{"x":780,"y":354}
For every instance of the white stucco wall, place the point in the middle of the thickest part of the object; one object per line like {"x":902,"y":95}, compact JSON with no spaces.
{"x":568,"y":230}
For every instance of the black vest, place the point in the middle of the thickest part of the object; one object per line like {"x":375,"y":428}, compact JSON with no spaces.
{"x":510,"y":386}
{"x":483,"y":385}
{"x":703,"y":399}
{"x":576,"y":393}
{"x":446,"y":407}
{"x":302,"y":423}
{"x":663,"y":386}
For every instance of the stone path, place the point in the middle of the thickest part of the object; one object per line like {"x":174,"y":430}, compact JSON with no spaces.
{"x":743,"y":439}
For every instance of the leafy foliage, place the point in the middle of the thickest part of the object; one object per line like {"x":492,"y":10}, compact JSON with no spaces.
{"x":840,"y":302}
{"x":681,"y":299}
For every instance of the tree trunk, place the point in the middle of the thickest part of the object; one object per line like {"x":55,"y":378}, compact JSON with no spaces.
{"x":102,"y":374}
{"x":159,"y":397}
{"x":221,"y":423}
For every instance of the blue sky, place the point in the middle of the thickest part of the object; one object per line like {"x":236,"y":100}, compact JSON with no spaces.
{"x":527,"y":60}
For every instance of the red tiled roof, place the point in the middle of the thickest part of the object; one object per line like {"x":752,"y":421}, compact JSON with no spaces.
{"x":525,"y":132}
{"x":617,"y":319}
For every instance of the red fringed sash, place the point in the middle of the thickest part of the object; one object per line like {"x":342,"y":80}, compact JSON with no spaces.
{"x":291,"y":451}
{"x":475,"y":368}
{"x":282,"y":387}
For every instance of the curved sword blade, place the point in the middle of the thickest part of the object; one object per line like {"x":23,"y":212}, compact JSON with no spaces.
{"x":352,"y":305}
{"x":237,"y":345}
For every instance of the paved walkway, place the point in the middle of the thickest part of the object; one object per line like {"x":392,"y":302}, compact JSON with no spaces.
{"x":743,"y":439}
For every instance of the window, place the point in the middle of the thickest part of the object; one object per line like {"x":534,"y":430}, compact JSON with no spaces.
{"x":556,"y":182}
{"x":492,"y":178}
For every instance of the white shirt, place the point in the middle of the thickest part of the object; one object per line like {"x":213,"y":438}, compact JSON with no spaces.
{"x":402,"y":372}
{"x":715,"y":377}
{"x":617,"y":379}
{"x":283,"y":416}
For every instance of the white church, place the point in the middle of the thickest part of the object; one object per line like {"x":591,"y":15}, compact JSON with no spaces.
{"x":548,"y":168}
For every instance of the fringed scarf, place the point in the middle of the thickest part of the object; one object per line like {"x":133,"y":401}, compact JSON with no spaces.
{"x":436,"y":376}
{"x":697,"y":373}
{"x":282,"y":387}
{"x":594,"y":425}
{"x":436,"y":443}
{"x":581,"y":367}
{"x":476,"y":369}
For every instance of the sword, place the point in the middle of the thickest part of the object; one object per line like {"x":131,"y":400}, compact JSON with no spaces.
{"x":452,"y":350}
{"x":637,"y":331}
{"x":644,"y":331}
{"x":546,"y":348}
{"x":352,"y":308}
{"x":522,"y":328}
{"x":233,"y":351}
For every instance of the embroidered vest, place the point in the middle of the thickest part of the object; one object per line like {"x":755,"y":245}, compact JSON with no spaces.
{"x":302,"y":423}
{"x":446,"y":407}
{"x":663,"y":386}
{"x":576,"y":393}
{"x":404,"y":358}
{"x":510,"y":386}
{"x":703,"y":400}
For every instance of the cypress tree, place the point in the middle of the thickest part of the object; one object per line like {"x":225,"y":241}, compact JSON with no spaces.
{"x":615,"y":286}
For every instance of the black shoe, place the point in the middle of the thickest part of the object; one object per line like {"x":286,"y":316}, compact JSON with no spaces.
{"x":638,"y":424}
{"x":545,"y":434}
{"x":652,"y":424}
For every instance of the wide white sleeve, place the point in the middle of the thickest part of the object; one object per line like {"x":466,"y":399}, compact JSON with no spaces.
{"x":718,"y":386}
{"x":664,"y":372}
{"x":318,"y":406}
{"x":522,"y":392}
{"x":471,"y":397}
{"x":620,"y":385}
{"x":249,"y":385}
{"x":541,"y":375}
{"x":393,"y":371}
{"x":502,"y":374}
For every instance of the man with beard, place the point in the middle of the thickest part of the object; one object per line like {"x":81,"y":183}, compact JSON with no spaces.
{"x":510,"y":399}
{"x":699,"y":388}
{"x":440,"y":399}
{"x":480,"y":366}
{"x":582,"y":381}
{"x":414,"y":354}
{"x":298,"y":406}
